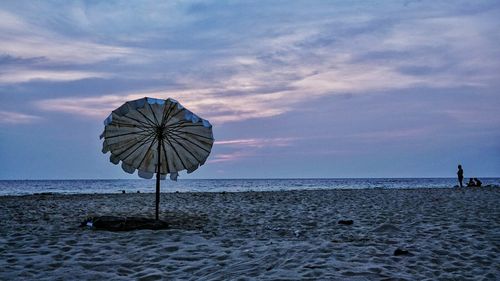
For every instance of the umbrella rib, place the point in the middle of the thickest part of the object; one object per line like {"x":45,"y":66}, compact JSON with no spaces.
{"x":154,"y":115}
{"x":151,"y":123}
{"x":165,"y":154}
{"x":165,"y":109}
{"x":142,"y":143}
{"x":127,"y":125}
{"x":185,"y":149}
{"x":139,"y":121}
{"x":145,"y":154}
{"x":175,"y":114}
{"x":177,"y":153}
{"x":190,"y":141}
{"x":179,"y":127}
{"x":185,"y":124}
{"x":177,"y":131}
{"x":164,"y":119}
{"x":143,"y":129}
{"x":131,"y":133}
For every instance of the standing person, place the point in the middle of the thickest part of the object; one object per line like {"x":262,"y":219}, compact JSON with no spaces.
{"x":460,"y":175}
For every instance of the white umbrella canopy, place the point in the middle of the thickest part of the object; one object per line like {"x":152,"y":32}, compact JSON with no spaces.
{"x":157,"y":136}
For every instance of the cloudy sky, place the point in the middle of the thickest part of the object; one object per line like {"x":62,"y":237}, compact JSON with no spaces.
{"x":293,"y":88}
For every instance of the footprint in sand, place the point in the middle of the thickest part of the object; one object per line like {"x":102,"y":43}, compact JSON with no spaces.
{"x":386,"y":228}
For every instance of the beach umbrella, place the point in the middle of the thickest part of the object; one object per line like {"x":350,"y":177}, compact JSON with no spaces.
{"x":156,"y":136}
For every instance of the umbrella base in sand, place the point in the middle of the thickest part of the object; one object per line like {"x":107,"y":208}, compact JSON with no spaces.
{"x":112,"y":223}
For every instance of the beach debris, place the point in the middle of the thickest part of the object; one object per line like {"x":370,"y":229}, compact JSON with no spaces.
{"x":297,"y":233}
{"x":346,"y":222}
{"x":401,"y":252}
{"x":310,"y":224}
{"x":281,"y":231}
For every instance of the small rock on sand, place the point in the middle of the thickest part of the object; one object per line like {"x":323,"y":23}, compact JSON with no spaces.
{"x":346,"y":222}
{"x":401,"y":252}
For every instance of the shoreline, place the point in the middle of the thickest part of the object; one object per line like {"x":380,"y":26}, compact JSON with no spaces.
{"x":119,"y":192}
{"x":144,"y":186}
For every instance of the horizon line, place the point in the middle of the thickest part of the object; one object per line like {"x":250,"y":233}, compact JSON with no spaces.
{"x":283,"y":178}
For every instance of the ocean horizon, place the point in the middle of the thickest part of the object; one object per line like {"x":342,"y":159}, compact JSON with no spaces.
{"x":91,"y":186}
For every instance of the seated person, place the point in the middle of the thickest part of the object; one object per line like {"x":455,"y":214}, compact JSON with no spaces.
{"x":471,"y":182}
{"x":478,"y":182}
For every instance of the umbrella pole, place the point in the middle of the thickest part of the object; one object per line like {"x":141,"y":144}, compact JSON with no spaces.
{"x":158,"y":179}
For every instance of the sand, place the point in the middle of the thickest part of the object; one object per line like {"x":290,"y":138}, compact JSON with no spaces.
{"x":286,"y":235}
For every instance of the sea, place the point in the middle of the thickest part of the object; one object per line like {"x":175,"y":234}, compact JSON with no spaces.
{"x":26,"y":187}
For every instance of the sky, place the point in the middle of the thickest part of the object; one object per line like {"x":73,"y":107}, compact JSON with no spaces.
{"x":294,"y":89}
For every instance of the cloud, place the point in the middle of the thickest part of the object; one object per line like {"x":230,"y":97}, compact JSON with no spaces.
{"x":229,"y":157}
{"x":256,"y":142}
{"x":238,"y":149}
{"x":31,"y":52}
{"x":205,"y":102}
{"x":24,"y":40}
{"x":98,"y":107}
{"x":20,"y":75}
{"x":229,"y":77}
{"x":12,"y":118}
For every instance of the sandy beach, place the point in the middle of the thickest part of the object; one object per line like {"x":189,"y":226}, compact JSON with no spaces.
{"x":450,"y":234}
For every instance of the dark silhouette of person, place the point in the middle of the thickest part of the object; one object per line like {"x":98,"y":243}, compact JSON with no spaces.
{"x":471,"y":183}
{"x":460,"y":175}
{"x":478,"y":182}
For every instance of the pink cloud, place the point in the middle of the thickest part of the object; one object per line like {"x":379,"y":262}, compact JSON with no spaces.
{"x":19,"y":75}
{"x":256,"y":142}
{"x":10,"y":117}
{"x":229,"y":157}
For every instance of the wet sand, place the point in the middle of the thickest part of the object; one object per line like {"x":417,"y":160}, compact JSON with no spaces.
{"x":285,"y":235}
